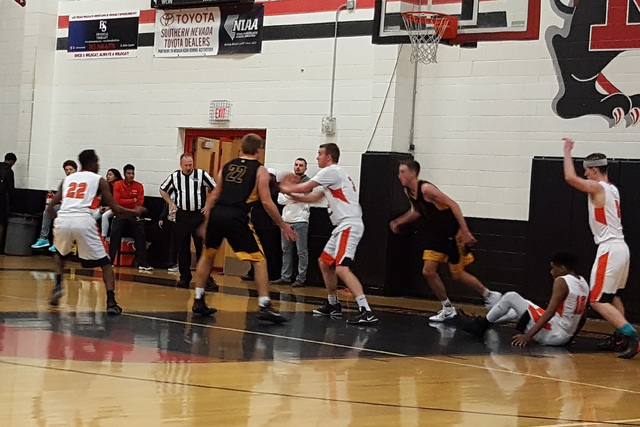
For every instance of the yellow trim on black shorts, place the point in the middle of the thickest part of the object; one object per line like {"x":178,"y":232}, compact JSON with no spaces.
{"x":245,"y":256}
{"x":465,"y":258}
{"x":434,"y":256}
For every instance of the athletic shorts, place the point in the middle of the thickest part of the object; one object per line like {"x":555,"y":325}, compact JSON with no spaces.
{"x":342,"y":245}
{"x":231,"y":223}
{"x":81,"y":230}
{"x":610,"y":270}
{"x":450,"y":250}
{"x":551,"y":334}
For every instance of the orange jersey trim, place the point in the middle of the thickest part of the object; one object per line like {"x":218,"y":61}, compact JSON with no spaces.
{"x":600,"y":273}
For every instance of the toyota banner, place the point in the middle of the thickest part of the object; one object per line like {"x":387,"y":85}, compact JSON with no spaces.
{"x":209,"y":31}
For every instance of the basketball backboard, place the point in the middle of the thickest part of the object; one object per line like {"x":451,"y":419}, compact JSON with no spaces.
{"x":478,"y":20}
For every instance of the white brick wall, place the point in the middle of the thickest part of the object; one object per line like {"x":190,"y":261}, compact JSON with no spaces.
{"x":482,"y":113}
{"x":12,"y":22}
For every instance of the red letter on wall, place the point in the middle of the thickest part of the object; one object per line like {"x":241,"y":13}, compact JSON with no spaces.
{"x":617,"y":33}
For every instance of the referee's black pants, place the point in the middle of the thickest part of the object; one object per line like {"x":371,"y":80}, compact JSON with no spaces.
{"x":187,"y":224}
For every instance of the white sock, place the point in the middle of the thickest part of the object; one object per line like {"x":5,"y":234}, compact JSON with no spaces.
{"x":362,"y":302}
{"x":446,"y":305}
{"x":263,"y":301}
{"x":486,"y":293}
{"x":333,"y":299}
{"x":199,"y":293}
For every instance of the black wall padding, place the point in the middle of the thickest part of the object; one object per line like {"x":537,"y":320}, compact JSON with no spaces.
{"x":320,"y":229}
{"x":550,"y":221}
{"x":500,"y":254}
{"x":628,"y":179}
{"x":382,"y":256}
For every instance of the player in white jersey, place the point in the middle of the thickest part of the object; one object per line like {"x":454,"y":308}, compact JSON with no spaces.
{"x":346,"y":215}
{"x":73,"y":224}
{"x":556,"y":325}
{"x":611,"y":267}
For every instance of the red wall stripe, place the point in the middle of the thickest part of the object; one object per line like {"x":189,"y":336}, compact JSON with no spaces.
{"x":148,"y":16}
{"x":292,"y":7}
{"x":276,"y":7}
{"x":63,"y":21}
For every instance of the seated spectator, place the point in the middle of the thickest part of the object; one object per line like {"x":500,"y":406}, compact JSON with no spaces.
{"x":43,"y":241}
{"x":113,"y":176}
{"x":129,"y":194}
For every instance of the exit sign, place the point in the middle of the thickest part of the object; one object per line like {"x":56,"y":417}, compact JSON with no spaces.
{"x":219,"y":111}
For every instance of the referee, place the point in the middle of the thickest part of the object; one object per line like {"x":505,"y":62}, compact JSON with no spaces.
{"x":190,"y":186}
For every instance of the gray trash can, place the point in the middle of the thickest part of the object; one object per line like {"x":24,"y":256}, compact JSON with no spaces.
{"x":21,"y":232}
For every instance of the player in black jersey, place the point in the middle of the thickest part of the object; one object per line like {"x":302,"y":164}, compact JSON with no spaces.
{"x":241,"y":181}
{"x":447,"y":240}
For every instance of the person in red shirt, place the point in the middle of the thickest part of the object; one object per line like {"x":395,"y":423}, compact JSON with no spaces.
{"x":129,"y":194}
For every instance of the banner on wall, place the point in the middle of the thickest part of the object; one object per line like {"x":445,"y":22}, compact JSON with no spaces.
{"x":209,"y":31}
{"x":105,"y":35}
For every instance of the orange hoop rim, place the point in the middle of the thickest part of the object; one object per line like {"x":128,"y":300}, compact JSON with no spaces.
{"x":418,"y":17}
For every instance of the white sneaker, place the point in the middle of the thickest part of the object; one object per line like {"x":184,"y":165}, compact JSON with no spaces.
{"x":444,"y":314}
{"x":492,"y":299}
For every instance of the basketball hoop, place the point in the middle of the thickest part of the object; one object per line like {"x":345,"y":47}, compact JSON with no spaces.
{"x":426,"y":29}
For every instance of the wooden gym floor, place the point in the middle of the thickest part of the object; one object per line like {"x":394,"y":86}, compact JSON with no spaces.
{"x":157,"y":365}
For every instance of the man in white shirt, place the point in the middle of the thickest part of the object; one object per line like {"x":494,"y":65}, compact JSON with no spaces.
{"x":346,"y":215}
{"x":297,"y":214}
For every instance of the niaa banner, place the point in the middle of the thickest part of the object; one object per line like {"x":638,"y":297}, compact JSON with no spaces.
{"x":209,"y":31}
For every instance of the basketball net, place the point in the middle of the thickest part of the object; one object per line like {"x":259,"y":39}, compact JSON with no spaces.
{"x":425,"y":32}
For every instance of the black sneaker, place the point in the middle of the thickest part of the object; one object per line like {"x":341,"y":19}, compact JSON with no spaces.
{"x":270,"y":314}
{"x":632,"y":348}
{"x":247,"y":278}
{"x":113,"y":308}
{"x":364,"y":318}
{"x":145,"y":267}
{"x":200,"y":307}
{"x":333,"y":310}
{"x":54,"y":298}
{"x":616,"y":342}
{"x":280,"y":281}
{"x":211,"y":285}
{"x":476,"y":326}
{"x":297,"y":284}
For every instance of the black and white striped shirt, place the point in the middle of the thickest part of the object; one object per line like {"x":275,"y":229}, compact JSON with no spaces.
{"x":190,"y":190}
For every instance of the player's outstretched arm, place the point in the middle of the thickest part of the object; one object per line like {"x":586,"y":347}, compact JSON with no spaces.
{"x":432,"y":194}
{"x":313,"y":197}
{"x":290,"y":185}
{"x":263,"y":179}
{"x":118,"y":210}
{"x":570,"y":175}
{"x":559,"y":294}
